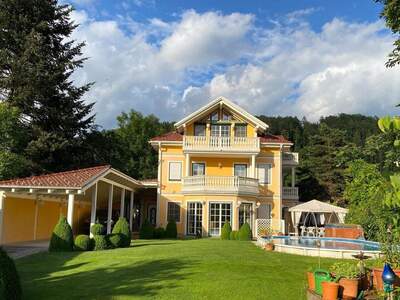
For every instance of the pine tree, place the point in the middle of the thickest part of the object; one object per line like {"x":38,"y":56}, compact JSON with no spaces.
{"x":37,"y":59}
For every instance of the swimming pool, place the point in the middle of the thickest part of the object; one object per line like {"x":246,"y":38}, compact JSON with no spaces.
{"x":330,"y":247}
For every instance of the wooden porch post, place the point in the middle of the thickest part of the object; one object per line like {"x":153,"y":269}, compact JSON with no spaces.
{"x":94,"y":208}
{"x":131,"y":209}
{"x":110,"y":206}
{"x":70,"y":212}
{"x":122,"y":209}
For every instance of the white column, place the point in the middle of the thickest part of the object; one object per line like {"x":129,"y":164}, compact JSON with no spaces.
{"x":160,"y":163}
{"x":253,"y":166}
{"x":187,"y":165}
{"x":131,"y":209}
{"x":121,"y":214}
{"x":2,"y":198}
{"x":110,"y":205}
{"x":94,"y":208}
{"x":281,"y":187}
{"x":70,"y":213}
{"x":293,"y":176}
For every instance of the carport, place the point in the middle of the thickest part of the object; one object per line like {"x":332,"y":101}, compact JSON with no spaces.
{"x":30,"y":207}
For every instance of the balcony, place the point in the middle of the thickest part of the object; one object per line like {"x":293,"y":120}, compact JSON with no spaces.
{"x":220,"y":185}
{"x":221,"y":144}
{"x":290,"y":158}
{"x":290,"y":193}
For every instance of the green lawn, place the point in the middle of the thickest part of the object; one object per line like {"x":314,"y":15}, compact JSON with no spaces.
{"x":168,"y":269}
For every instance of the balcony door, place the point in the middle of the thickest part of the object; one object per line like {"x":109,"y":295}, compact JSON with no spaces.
{"x":219,"y":213}
{"x":198,"y":169}
{"x":220,"y":130}
{"x":194,"y":218}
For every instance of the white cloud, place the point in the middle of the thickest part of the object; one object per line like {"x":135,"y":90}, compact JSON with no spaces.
{"x":171,"y":68}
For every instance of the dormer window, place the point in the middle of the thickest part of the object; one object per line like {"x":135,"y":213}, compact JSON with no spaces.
{"x":226,"y":116}
{"x":214,"y":116}
{"x":200,"y":129}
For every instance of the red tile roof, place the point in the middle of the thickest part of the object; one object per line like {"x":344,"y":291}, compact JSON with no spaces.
{"x":72,"y":179}
{"x":170,"y":136}
{"x":269,"y":138}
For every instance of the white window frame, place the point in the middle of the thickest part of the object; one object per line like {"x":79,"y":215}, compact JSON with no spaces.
{"x":269,"y":173}
{"x":198,"y":162}
{"x":169,"y":171}
{"x":200,"y":124}
{"x":242,"y":126}
{"x":179,"y":203}
{"x":240,"y":163}
{"x":195,"y":215}
{"x":231,"y":215}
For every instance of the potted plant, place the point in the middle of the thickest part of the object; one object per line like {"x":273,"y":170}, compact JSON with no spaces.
{"x":330,"y":290}
{"x":347,"y":274}
{"x":269,"y":246}
{"x":310,"y":279}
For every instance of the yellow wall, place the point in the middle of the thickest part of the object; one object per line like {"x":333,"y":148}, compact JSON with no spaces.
{"x":48,"y":216}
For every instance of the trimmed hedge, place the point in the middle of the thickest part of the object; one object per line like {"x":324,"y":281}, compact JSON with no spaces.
{"x":115,"y":240}
{"x":245,"y":232}
{"x":82,"y":243}
{"x":10,"y":286}
{"x":171,"y":231}
{"x":226,"y":231}
{"x":233,"y":235}
{"x":97,"y":229}
{"x":159,"y":233}
{"x":100,"y":242}
{"x":122,"y":228}
{"x":146,"y":231}
{"x":62,"y":238}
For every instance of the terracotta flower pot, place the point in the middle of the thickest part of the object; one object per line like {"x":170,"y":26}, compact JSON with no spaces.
{"x":311,"y":281}
{"x":348,"y":288}
{"x":269,"y":247}
{"x":377,"y":278}
{"x":330,"y":290}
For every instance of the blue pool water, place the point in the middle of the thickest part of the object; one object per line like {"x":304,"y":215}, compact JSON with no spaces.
{"x":326,"y":243}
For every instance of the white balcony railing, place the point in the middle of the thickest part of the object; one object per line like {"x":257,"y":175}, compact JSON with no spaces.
{"x":221,"y":143}
{"x":220,"y":185}
{"x":290,"y":158}
{"x":290,"y":192}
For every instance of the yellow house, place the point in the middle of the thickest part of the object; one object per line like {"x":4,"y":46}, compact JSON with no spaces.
{"x":221,"y":165}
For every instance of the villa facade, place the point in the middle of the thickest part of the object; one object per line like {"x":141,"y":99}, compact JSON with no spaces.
{"x":222,"y":165}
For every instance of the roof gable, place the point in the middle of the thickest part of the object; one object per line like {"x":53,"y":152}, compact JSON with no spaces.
{"x":213,"y":105}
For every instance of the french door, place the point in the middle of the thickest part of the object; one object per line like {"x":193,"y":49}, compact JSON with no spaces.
{"x":245,"y":214}
{"x":219,"y":214}
{"x":194,"y":218}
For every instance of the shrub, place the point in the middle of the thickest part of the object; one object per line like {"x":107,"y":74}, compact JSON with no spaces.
{"x":159,"y":233}
{"x":245,"y":232}
{"x":115,"y":240}
{"x":62,"y":238}
{"x":122,"y":228}
{"x":10,"y":286}
{"x":146,"y":231}
{"x":97,"y":229}
{"x":100,"y":242}
{"x":226,"y":231}
{"x":82,"y":243}
{"x":171,"y":231}
{"x":233,"y":235}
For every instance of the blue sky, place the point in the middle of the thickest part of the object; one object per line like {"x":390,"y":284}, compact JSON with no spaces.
{"x":305,"y":58}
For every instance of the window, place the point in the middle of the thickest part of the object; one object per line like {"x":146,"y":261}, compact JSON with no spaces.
{"x":220,"y":130}
{"x":219,"y":214}
{"x":200,"y":129}
{"x":175,"y":171}
{"x":240,"y":170}
{"x":264,"y":211}
{"x":214,"y":116}
{"x":194,"y":218}
{"x":241,"y":130}
{"x":245,"y":214}
{"x":174,"y":213}
{"x":264,"y":173}
{"x":226,"y":116}
{"x":198,"y":169}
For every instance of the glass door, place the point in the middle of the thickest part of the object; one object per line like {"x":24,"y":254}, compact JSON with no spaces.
{"x":245,"y":214}
{"x":194,"y":218}
{"x":219,"y":214}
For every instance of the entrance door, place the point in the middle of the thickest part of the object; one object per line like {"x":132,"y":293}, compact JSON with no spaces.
{"x":194,"y":218}
{"x":245,"y":214}
{"x":219,"y":214}
{"x":152,"y":215}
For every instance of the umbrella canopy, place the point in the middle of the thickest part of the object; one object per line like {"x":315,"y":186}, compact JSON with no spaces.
{"x":318,"y":207}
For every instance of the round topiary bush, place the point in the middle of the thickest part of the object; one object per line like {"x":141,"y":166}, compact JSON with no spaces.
{"x":10,"y":286}
{"x":82,"y":243}
{"x":122,"y":227}
{"x":146,"y":231}
{"x":115,"y":240}
{"x":245,"y":232}
{"x":170,"y":231}
{"x":62,"y":238}
{"x":97,"y":229}
{"x":159,"y":233}
{"x":226,"y":231}
{"x":100,"y":242}
{"x":234,"y":235}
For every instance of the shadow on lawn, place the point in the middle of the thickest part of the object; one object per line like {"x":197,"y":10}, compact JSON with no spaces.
{"x":147,"y":278}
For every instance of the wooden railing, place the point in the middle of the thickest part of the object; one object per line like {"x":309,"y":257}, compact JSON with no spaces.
{"x":221,"y":143}
{"x":220,"y":184}
{"x":290,"y":192}
{"x":290,"y":158}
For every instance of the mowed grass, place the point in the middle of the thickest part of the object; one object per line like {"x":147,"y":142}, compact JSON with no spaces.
{"x":168,"y":269}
